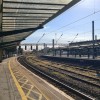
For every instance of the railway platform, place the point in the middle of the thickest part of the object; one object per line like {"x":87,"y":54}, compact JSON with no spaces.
{"x":8,"y":89}
{"x":18,"y":83}
{"x":82,"y":60}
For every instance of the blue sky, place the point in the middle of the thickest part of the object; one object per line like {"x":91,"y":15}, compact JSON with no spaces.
{"x":83,"y":27}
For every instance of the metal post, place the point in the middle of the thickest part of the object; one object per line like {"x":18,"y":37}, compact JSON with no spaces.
{"x":1,"y":39}
{"x":88,"y":52}
{"x":80,"y":52}
{"x":31,"y":47}
{"x":60,"y":52}
{"x":93,"y":39}
{"x":45,"y":49}
{"x":44,"y":45}
{"x":55,"y":51}
{"x":96,"y":49}
{"x":68,"y":52}
{"x":1,"y":53}
{"x":75,"y":53}
{"x":53,"y":46}
{"x":36,"y":47}
{"x":25,"y":47}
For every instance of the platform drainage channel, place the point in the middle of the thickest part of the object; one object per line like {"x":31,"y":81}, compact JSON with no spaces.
{"x":31,"y":92}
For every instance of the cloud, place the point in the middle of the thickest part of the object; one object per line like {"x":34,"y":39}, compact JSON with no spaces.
{"x":46,"y":27}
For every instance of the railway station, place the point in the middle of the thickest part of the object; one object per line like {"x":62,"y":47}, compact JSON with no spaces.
{"x":49,"y":70}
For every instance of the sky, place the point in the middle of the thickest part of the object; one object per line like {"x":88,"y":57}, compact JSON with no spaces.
{"x":73,"y":24}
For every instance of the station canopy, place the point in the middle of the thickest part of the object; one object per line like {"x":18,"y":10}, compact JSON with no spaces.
{"x":20,"y":18}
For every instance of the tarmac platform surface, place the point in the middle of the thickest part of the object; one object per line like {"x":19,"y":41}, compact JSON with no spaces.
{"x":8,"y":89}
{"x":18,"y":83}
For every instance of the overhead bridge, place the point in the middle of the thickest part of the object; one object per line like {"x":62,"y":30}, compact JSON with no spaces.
{"x":21,"y":18}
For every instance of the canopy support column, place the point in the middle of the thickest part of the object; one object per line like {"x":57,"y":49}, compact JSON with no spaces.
{"x":1,"y":54}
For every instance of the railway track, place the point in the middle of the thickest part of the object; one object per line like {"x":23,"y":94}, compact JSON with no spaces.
{"x":76,"y":66}
{"x":62,"y":84}
{"x":87,"y":79}
{"x":87,"y":84}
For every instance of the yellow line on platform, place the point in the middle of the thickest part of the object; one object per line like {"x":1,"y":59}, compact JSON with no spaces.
{"x":17,"y":84}
{"x":29,"y":91}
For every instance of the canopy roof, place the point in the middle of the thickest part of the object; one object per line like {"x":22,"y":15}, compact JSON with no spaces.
{"x":20,"y":18}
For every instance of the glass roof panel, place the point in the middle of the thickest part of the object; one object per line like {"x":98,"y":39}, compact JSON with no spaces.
{"x":19,"y":5}
{"x":9,"y":29}
{"x":24,"y":18}
{"x":20,"y":24}
{"x":23,"y":14}
{"x":15,"y":37}
{"x":17,"y":21}
{"x":42,"y":15}
{"x":20,"y":27}
{"x":28,"y":11}
{"x":43,"y":1}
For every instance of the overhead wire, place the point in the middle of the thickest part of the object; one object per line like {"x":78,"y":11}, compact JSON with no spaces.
{"x":76,"y":21}
{"x":85,"y":17}
{"x":79,"y":25}
{"x":40,"y":38}
{"x":74,"y":38}
{"x":59,"y":38}
{"x":94,"y":12}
